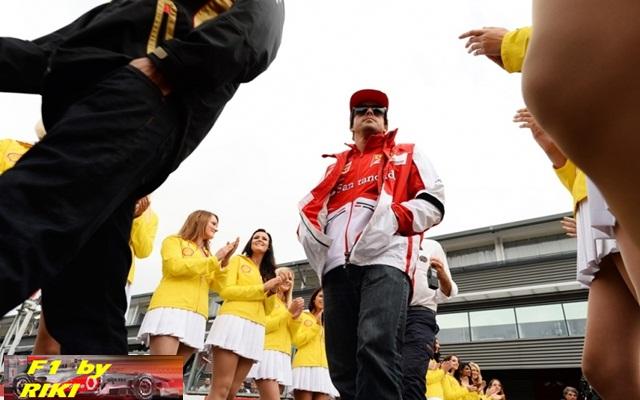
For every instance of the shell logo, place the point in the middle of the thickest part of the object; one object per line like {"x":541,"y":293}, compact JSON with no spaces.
{"x":308,"y":323}
{"x":13,"y":156}
{"x":245,"y":268}
{"x":187,"y":252}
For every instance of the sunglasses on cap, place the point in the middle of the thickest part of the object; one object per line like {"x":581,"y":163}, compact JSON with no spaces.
{"x":377,"y":111}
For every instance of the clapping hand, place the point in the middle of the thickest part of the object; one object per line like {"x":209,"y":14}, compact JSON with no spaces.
{"x":225,"y":253}
{"x":296,"y":307}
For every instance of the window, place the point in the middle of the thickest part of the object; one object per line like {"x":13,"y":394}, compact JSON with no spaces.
{"x":539,"y":246}
{"x":541,"y":321}
{"x":576,"y":315}
{"x":493,"y":325}
{"x":478,"y":255}
{"x":454,"y":328}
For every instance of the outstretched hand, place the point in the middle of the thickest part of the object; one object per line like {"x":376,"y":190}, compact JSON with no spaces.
{"x":527,"y":120}
{"x":485,"y":42}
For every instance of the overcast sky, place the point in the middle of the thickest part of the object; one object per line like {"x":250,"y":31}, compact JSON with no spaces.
{"x":263,"y":154}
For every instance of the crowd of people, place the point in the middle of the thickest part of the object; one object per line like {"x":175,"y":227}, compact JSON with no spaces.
{"x":140,"y":103}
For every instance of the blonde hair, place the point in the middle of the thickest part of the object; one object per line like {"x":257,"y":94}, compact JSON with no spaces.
{"x":473,"y":365}
{"x":195,"y":225}
{"x":289,"y":294}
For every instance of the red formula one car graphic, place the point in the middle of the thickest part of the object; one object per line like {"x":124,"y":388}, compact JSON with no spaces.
{"x":141,"y":386}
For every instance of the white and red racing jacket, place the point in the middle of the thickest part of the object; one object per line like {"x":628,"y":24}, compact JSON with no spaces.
{"x":371,"y":208}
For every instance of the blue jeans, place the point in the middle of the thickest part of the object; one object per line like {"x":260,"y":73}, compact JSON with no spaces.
{"x":419,"y":339}
{"x":365,"y":316}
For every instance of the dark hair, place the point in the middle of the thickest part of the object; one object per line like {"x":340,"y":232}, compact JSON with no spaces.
{"x":458,"y":373}
{"x":312,"y":300}
{"x":268,"y":263}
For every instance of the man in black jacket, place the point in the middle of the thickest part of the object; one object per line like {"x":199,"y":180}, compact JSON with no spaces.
{"x":128,"y":91}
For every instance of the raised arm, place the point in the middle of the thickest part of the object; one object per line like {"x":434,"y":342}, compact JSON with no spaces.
{"x":175,"y":264}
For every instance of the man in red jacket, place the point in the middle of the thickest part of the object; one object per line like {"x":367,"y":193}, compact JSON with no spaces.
{"x":361,"y":229}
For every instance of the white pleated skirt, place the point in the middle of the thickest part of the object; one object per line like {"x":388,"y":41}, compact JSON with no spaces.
{"x":592,"y":245}
{"x":189,"y":327}
{"x":314,"y":379}
{"x":274,"y":365}
{"x":239,"y":335}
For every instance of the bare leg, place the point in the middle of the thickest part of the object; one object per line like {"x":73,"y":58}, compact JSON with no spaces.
{"x":225,"y":363}
{"x":630,"y":269}
{"x":580,"y":81}
{"x":302,"y":395}
{"x":612,"y":342}
{"x":269,"y":389}
{"x":163,"y":345}
{"x":185,"y":351}
{"x":244,"y":366}
{"x":45,"y":343}
{"x":320,"y":396}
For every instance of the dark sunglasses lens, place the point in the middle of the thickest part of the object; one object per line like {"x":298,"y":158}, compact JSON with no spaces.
{"x":377,"y":111}
{"x":360,"y":110}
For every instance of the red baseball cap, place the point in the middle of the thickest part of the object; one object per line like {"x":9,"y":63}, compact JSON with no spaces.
{"x":369,"y":96}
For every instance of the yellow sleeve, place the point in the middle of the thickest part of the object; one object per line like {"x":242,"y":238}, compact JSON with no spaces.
{"x":514,"y":48}
{"x":232,"y":290}
{"x":176,"y":265}
{"x":275,"y":318}
{"x":567,"y":175}
{"x":217,"y":277}
{"x":143,"y":233}
{"x":452,"y":389}
{"x":304,"y":330}
{"x":434,"y":376}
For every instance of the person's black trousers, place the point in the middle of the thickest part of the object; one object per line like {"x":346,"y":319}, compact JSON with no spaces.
{"x":66,"y":209}
{"x":419,"y":339}
{"x":365,"y":315}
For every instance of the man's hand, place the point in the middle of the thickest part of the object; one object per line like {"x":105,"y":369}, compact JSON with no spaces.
{"x":147,"y":67}
{"x":443,"y":278}
{"x":141,"y":206}
{"x":485,"y":42}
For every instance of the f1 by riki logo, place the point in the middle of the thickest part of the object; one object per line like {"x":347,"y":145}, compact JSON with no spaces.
{"x":399,"y":159}
{"x":377,"y":158}
{"x":86,"y":379}
{"x":346,"y":168}
{"x":187,"y":252}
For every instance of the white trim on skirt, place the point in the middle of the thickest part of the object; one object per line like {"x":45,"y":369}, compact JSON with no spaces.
{"x":188,"y":326}
{"x":314,"y":379}
{"x":239,"y":335}
{"x":274,"y":365}
{"x":592,"y":246}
